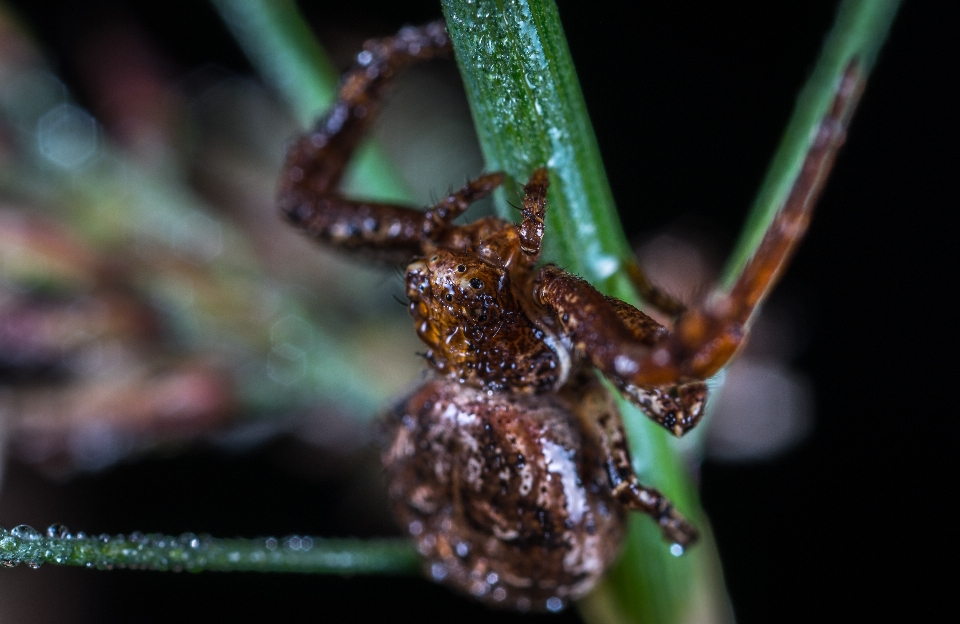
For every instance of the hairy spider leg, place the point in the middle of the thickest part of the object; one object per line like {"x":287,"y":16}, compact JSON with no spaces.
{"x":679,"y":407}
{"x":600,"y":418}
{"x":612,"y":334}
{"x":791,"y":222}
{"x":318,"y":160}
{"x":534,"y":208}
{"x":704,"y":339}
{"x":309,"y":194}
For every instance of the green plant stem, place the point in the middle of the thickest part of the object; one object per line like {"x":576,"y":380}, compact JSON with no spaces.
{"x":282,"y":48}
{"x":203,"y":553}
{"x":858,"y":33}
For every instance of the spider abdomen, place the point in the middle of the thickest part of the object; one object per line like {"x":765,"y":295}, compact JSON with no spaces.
{"x":504,"y":494}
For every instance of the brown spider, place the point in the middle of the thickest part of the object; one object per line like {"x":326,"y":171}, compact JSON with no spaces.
{"x":509,"y":465}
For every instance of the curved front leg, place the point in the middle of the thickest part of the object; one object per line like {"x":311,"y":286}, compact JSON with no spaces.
{"x":309,"y":195}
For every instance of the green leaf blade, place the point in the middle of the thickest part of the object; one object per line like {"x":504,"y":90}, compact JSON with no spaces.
{"x":858,"y":33}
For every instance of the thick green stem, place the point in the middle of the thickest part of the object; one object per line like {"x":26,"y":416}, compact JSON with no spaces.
{"x":529,"y":111}
{"x":308,"y":555}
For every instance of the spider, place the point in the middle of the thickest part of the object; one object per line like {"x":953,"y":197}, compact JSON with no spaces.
{"x":508,"y":465}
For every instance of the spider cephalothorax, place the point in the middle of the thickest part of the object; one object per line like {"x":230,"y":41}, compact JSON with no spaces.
{"x":509,"y":465}
{"x":466,"y":311}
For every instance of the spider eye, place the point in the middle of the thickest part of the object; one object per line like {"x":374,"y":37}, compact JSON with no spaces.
{"x":461,"y":268}
{"x":476,"y":283}
{"x":448,"y":297}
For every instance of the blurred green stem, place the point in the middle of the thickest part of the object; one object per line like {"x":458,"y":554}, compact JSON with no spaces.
{"x":282,"y":48}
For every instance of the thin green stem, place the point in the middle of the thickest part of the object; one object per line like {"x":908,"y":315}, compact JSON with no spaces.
{"x":307,"y":555}
{"x":282,"y":48}
{"x":858,"y":33}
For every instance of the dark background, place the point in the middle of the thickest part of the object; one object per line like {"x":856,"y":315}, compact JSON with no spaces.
{"x":688,"y":104}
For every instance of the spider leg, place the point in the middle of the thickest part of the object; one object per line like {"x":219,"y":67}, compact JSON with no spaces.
{"x":534,"y":208}
{"x":704,"y":340}
{"x":317,"y":161}
{"x":315,"y":164}
{"x":600,"y":420}
{"x":614,"y":336}
{"x":388,"y":232}
{"x":791,"y":221}
{"x":441,"y":215}
{"x":677,"y":408}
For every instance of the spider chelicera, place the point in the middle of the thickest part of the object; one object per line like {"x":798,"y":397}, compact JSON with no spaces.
{"x":509,"y":465}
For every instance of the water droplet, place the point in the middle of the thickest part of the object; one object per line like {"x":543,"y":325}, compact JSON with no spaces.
{"x":8,"y":543}
{"x":554,"y":604}
{"x":676,"y":550}
{"x":34,"y":564}
{"x":59,"y":531}
{"x":25,"y":532}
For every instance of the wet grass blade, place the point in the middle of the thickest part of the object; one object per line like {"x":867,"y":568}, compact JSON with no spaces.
{"x":193,"y":553}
